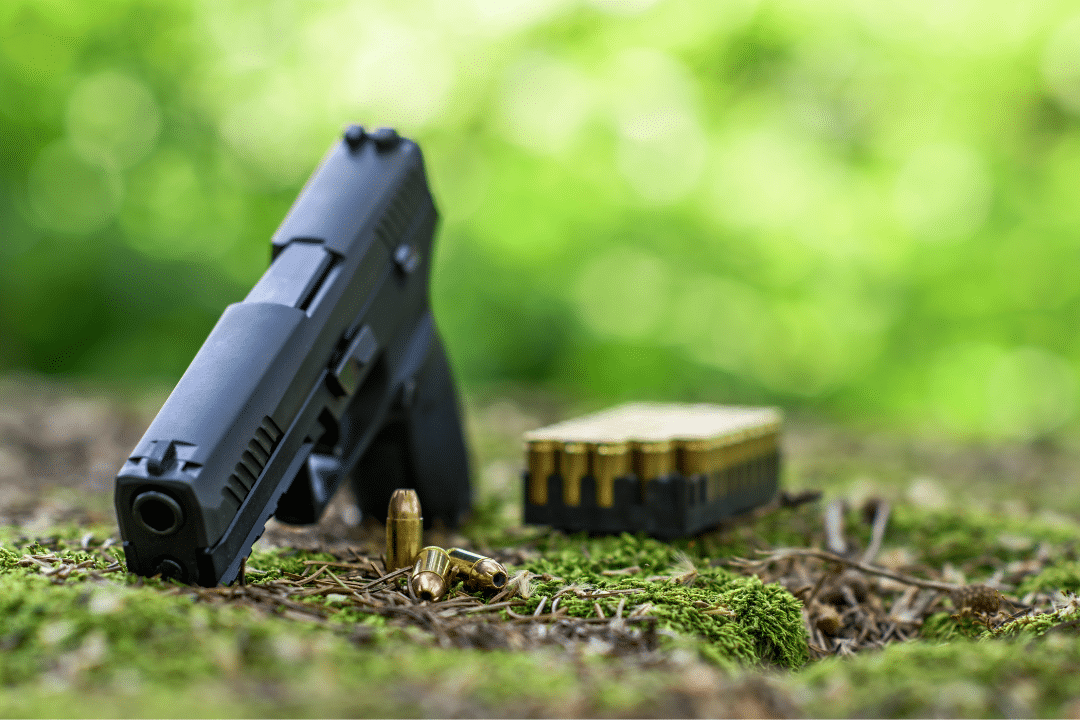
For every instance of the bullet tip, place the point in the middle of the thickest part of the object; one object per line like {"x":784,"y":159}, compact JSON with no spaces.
{"x":428,"y":586}
{"x":491,"y":573}
{"x":404,"y":503}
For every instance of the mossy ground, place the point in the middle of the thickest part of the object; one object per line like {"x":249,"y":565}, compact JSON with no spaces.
{"x":101,"y":643}
{"x":737,"y":620}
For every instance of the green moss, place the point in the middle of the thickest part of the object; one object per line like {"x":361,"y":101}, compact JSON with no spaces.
{"x":948,"y":626}
{"x":275,"y":562}
{"x":1064,"y":577}
{"x":967,"y":535}
{"x":782,"y":528}
{"x":110,"y":645}
{"x":48,"y":624}
{"x":62,"y":535}
{"x":1040,"y":624}
{"x":329,"y":679}
{"x":9,"y":559}
{"x":580,"y":557}
{"x":94,"y":624}
{"x":992,"y":678}
{"x":740,"y":620}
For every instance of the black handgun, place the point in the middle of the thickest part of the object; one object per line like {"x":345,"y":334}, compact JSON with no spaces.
{"x":331,"y":367}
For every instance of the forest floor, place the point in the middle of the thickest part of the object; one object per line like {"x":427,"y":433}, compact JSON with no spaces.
{"x":897,"y":575}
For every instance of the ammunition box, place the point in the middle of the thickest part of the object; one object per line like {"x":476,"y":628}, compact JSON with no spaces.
{"x":669,"y":470}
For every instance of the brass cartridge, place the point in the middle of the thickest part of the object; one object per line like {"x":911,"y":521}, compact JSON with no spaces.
{"x":542,"y":464}
{"x":701,"y":457}
{"x":573,"y":466}
{"x":477,"y":571}
{"x":430,"y":578}
{"x":739,"y":449}
{"x":654,"y":459}
{"x":609,"y":461}
{"x":743,"y":453}
{"x":697,"y":457}
{"x":727,"y":453}
{"x":404,"y":529}
{"x":723,"y":480}
{"x":762,"y":446}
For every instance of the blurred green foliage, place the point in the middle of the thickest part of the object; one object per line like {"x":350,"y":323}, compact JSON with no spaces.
{"x":855,"y":207}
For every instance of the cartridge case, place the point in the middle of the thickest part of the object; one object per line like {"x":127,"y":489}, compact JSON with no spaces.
{"x":725,"y":454}
{"x":697,"y":457}
{"x":573,"y":466}
{"x":430,"y":577}
{"x":609,"y":461}
{"x":654,"y":459}
{"x":404,"y":529}
{"x":477,"y":571}
{"x":542,"y":465}
{"x":724,"y":477}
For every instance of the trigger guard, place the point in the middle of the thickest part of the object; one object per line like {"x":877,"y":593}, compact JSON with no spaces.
{"x":310,"y":492}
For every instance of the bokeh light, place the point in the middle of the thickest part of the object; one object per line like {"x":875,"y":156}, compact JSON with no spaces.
{"x":854,"y":208}
{"x":114,"y":117}
{"x":942,"y":192}
{"x":70,"y":194}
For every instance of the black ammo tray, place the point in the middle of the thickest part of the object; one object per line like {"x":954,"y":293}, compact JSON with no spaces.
{"x":669,"y":470}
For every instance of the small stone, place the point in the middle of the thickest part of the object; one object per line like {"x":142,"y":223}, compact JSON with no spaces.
{"x":980,"y":599}
{"x":828,"y":620}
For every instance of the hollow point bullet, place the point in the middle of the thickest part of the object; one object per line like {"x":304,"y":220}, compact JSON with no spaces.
{"x":476,"y":571}
{"x":404,"y":529}
{"x":430,"y":578}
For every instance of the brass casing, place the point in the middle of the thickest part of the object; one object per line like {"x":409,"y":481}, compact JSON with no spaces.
{"x":430,"y":578}
{"x":697,"y":457}
{"x":477,"y":571}
{"x":404,"y":529}
{"x":573,"y":466}
{"x":609,"y":461}
{"x":700,"y":457}
{"x":542,"y":464}
{"x":654,"y":460}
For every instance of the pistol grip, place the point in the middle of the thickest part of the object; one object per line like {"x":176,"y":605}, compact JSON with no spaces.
{"x":421,"y":446}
